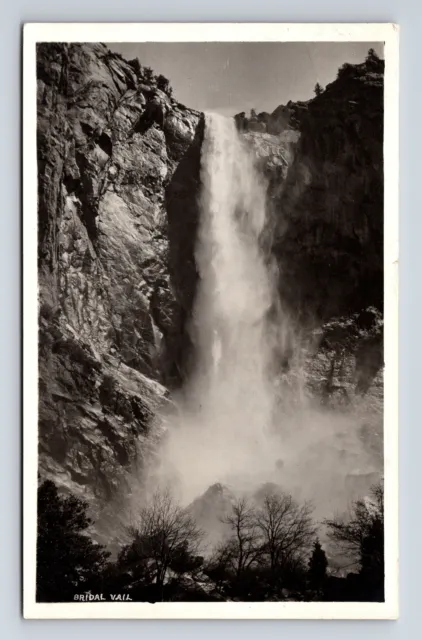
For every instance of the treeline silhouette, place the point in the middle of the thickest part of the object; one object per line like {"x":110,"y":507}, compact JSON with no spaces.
{"x":271,"y":552}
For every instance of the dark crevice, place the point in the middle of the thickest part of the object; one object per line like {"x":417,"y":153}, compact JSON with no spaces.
{"x":182,"y":195}
{"x":105,"y":143}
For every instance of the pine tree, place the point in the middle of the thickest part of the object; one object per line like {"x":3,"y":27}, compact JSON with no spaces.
{"x":373,"y":62}
{"x":372,"y":55}
{"x":68,"y":561}
{"x":136,"y":66}
{"x":318,"y":89}
{"x":317,"y":572}
{"x":148,"y":74}
{"x":163,"y":83}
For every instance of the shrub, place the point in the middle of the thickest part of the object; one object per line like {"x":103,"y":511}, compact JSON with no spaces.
{"x":361,"y":537}
{"x":148,"y":74}
{"x":136,"y":66}
{"x":164,"y":85}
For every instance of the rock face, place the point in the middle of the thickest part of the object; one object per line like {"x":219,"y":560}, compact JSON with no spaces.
{"x":331,"y":204}
{"x":118,"y":165}
{"x":210,"y":510}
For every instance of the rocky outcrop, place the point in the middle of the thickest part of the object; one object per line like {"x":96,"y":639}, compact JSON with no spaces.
{"x":348,"y":360}
{"x":116,"y":156}
{"x":283,"y":118}
{"x":211,"y":509}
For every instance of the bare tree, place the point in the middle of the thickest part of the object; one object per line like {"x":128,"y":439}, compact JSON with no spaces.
{"x":165,"y":537}
{"x":286,"y":527}
{"x":287,"y":532}
{"x":267,"y":547}
{"x":234,"y":565}
{"x":243,"y":548}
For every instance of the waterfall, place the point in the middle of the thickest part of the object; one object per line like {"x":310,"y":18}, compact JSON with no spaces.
{"x":235,"y":287}
{"x":225,"y":410}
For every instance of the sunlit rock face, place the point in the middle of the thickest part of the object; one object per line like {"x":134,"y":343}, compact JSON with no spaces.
{"x":112,"y":302}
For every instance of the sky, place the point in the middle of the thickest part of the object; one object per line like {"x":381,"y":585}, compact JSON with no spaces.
{"x":228,"y":77}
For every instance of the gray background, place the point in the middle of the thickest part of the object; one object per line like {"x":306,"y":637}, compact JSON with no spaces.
{"x":408,"y":15}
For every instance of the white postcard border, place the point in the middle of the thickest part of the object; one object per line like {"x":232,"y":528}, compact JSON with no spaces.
{"x":211,"y":32}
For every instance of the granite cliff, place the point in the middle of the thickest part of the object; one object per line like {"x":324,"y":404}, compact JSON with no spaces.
{"x":331,"y":204}
{"x":118,"y":165}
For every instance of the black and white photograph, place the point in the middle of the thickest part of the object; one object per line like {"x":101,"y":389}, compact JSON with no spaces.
{"x":207,"y":417}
